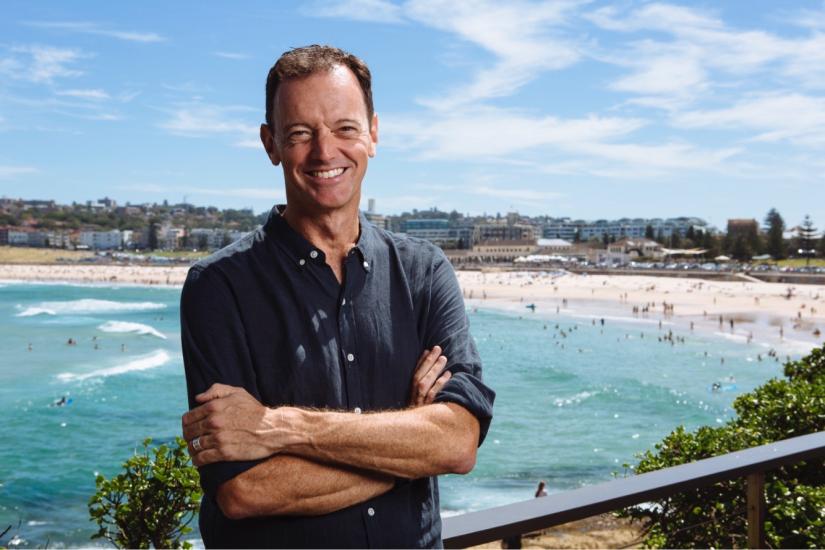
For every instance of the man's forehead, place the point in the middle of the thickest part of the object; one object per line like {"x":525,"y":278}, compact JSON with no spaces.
{"x":332,"y":92}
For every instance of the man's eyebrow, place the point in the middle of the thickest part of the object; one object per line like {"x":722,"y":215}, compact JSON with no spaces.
{"x":349,"y":120}
{"x":294,"y":124}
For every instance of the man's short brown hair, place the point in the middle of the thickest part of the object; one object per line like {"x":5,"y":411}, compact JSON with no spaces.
{"x":307,"y":60}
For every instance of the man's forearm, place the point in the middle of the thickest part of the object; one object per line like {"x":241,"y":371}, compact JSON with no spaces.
{"x":424,"y":441}
{"x":292,"y":485}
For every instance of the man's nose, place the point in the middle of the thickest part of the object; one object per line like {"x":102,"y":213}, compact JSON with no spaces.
{"x":323,"y":145}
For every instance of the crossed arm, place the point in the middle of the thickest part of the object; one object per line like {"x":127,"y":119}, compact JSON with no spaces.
{"x":324,"y":461}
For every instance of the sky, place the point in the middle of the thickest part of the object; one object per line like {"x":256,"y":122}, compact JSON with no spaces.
{"x":568,"y":108}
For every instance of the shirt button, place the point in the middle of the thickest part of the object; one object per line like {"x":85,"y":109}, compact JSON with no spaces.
{"x":302,"y":261}
{"x":344,"y":302}
{"x":357,"y":410}
{"x":313,"y":254}
{"x":370,"y":511}
{"x":366,"y":264}
{"x":350,"y":357}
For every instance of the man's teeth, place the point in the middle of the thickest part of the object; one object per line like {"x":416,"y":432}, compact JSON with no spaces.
{"x":328,"y":173}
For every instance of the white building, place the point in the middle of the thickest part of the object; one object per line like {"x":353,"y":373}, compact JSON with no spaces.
{"x":101,"y":240}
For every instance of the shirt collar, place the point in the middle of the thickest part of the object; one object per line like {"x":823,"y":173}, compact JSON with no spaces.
{"x":302,"y":251}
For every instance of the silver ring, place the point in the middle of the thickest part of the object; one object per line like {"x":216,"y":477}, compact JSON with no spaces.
{"x":196,"y":444}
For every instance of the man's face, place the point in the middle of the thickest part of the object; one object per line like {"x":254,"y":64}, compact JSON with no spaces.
{"x":323,"y":138}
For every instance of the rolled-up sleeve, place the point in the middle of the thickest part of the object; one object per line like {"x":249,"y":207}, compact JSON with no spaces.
{"x":449,"y":327}
{"x":215,"y":350}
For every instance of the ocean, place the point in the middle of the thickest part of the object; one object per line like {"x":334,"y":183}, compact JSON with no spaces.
{"x":576,"y":400}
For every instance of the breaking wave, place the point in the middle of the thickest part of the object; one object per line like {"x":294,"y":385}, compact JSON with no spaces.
{"x":87,"y":306}
{"x":157,"y":358}
{"x":124,"y":327}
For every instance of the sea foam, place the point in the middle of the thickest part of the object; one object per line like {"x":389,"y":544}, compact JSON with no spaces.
{"x":123,"y":326}
{"x":87,"y":306}
{"x":157,"y":358}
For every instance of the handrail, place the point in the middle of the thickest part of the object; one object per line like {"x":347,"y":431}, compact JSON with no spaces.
{"x":513,"y":520}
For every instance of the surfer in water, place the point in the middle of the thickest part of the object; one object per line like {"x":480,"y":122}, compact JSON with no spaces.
{"x":62,"y":402}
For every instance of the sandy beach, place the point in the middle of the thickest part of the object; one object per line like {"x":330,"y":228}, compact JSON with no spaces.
{"x":788,"y":318}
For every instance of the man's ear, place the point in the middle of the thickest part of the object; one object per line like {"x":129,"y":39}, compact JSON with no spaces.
{"x":268,"y":139}
{"x":373,"y":135}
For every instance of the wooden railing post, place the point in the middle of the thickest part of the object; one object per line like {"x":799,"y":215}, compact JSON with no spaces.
{"x":756,"y":510}
{"x":511,"y":542}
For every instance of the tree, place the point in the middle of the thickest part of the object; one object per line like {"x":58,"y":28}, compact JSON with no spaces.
{"x":714,"y":516}
{"x":775,"y":227}
{"x":649,"y":232}
{"x":152,"y":238}
{"x":151,"y":502}
{"x":806,"y":234}
{"x":740,"y":249}
{"x":675,"y":240}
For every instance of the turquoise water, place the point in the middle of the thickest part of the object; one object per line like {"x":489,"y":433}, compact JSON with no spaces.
{"x":570,"y":415}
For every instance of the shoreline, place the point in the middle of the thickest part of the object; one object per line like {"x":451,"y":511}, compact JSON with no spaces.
{"x":780,"y":316}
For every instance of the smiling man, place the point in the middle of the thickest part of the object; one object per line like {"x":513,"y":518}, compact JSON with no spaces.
{"x":329,"y":365}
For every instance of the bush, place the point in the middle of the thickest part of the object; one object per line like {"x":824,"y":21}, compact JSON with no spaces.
{"x":151,"y":502}
{"x":715,"y":516}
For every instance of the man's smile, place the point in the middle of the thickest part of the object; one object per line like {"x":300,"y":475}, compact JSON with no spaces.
{"x":326,"y":174}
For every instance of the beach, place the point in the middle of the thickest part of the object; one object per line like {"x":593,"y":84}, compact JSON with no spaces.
{"x":790,"y":317}
{"x":595,"y":370}
{"x":780,"y":315}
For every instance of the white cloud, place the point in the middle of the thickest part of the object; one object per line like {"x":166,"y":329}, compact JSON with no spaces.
{"x":9,"y":172}
{"x":249,"y":144}
{"x":790,"y":117}
{"x":87,"y":27}
{"x":95,"y":94}
{"x":488,"y":133}
{"x":41,"y":64}
{"x":376,"y":11}
{"x":523,"y":37}
{"x":231,"y":55}
{"x":200,"y":120}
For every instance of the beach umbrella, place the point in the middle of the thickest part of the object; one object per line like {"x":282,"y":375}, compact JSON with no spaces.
{"x":722,"y":259}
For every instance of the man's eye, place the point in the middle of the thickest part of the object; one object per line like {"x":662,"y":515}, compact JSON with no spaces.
{"x":298,"y":135}
{"x":348,"y":130}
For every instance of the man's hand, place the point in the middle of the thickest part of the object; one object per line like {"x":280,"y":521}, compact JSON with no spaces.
{"x":428,"y":378}
{"x":230,"y":425}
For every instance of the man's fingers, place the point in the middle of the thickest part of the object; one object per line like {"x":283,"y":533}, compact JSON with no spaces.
{"x":425,"y":363}
{"x":203,"y":411}
{"x":442,"y":380}
{"x":426,"y":383}
{"x":216,"y":391}
{"x":207,"y":457}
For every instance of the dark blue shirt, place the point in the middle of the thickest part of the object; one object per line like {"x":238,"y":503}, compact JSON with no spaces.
{"x":268,"y":314}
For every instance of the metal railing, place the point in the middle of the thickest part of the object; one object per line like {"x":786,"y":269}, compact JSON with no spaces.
{"x":511,"y":521}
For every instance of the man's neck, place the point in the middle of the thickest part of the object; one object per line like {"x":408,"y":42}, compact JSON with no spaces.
{"x":335,"y":233}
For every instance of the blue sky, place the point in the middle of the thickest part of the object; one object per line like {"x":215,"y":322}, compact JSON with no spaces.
{"x":568,"y":108}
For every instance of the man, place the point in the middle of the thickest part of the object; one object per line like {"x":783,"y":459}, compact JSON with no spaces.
{"x":330,"y":370}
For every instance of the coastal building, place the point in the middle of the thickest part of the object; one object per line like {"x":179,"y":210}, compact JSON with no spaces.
{"x":635,"y":228}
{"x":18,"y":237}
{"x":101,"y":240}
{"x":504,"y":230}
{"x":559,"y":247}
{"x":212,"y":239}
{"x":627,"y":250}
{"x":501,"y":250}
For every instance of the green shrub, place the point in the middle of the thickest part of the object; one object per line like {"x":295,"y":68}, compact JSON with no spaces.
{"x":715,"y":516}
{"x":151,"y":503}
